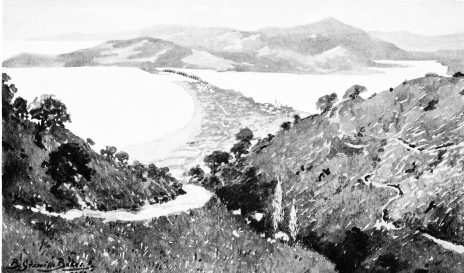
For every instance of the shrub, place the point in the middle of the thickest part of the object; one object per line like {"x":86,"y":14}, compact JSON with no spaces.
{"x":90,"y":141}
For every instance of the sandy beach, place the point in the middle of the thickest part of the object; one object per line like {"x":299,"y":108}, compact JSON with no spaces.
{"x":161,"y":148}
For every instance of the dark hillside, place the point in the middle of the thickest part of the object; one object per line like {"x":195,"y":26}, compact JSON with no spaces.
{"x":26,"y":182}
{"x":365,"y":175}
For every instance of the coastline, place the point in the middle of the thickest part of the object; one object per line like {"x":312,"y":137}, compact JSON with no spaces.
{"x":161,"y":148}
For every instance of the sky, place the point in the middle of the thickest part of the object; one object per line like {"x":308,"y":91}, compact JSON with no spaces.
{"x":26,"y":19}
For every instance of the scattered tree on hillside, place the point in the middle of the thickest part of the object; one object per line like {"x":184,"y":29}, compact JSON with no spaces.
{"x":240,"y":148}
{"x":109,"y":152}
{"x":458,"y":74}
{"x":90,"y":141}
{"x":153,"y":171}
{"x":49,"y":112}
{"x":20,"y":112}
{"x":196,"y":173}
{"x":68,"y":164}
{"x":325,"y":103}
{"x":292,"y":223}
{"x":286,"y":126}
{"x":354,"y":91}
{"x":277,"y":213}
{"x":244,"y":134}
{"x":122,"y":158}
{"x":8,"y":92}
{"x":140,"y":171}
{"x":296,"y":119}
{"x":214,"y":160}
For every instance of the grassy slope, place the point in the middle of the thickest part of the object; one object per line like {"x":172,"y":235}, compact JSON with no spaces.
{"x":363,"y":147}
{"x":199,"y":241}
{"x":25,"y":182}
{"x":202,"y":240}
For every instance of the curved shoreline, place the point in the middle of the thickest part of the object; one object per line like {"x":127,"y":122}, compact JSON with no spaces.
{"x":162,"y":147}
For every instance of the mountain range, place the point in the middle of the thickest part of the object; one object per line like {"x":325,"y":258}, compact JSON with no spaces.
{"x":326,"y":46}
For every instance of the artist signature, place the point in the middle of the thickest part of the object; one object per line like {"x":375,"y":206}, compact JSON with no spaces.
{"x":55,"y":264}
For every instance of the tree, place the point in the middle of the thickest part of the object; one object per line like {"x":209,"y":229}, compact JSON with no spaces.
{"x":8,"y":92}
{"x":354,"y":91}
{"x":458,"y":74}
{"x":90,"y":141}
{"x":69,"y":164}
{"x":240,"y":148}
{"x":49,"y":112}
{"x":325,"y":103}
{"x":244,"y":134}
{"x":292,"y":223}
{"x":277,"y":213}
{"x":122,"y":158}
{"x":286,"y":126}
{"x":196,"y":173}
{"x":140,"y":171}
{"x":20,"y":109}
{"x":296,"y":119}
{"x":214,"y":160}
{"x":153,"y":171}
{"x":109,"y":152}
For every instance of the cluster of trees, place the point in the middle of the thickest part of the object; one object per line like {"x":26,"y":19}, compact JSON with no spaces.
{"x":68,"y":163}
{"x":141,"y":171}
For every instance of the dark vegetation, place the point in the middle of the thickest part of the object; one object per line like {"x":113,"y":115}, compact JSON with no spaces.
{"x":249,"y":184}
{"x":69,"y":164}
{"x":39,"y":158}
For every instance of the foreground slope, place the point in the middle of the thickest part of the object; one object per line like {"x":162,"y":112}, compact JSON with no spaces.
{"x":369,"y":181}
{"x":206,"y":239}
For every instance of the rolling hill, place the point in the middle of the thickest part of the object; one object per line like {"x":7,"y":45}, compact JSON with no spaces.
{"x":414,"y":42}
{"x":327,"y":46}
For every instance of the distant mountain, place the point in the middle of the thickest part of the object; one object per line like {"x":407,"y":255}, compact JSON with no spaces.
{"x":414,"y":42}
{"x":327,"y":46}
